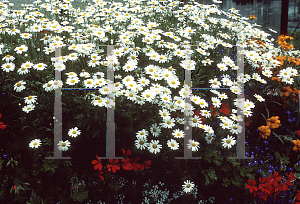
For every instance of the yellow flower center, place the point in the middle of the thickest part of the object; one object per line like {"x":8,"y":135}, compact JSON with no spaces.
{"x":154,"y":146}
{"x":228,"y":141}
{"x":63,"y":144}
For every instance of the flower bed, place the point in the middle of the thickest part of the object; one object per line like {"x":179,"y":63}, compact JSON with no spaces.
{"x":158,"y":45}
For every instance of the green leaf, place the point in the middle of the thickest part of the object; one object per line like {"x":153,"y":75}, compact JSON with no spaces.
{"x":297,"y":167}
{"x":217,"y":162}
{"x":212,"y":174}
{"x":297,"y":175}
{"x":251,"y":176}
{"x":277,"y":155}
{"x":1,"y":162}
{"x":226,"y":182}
{"x":48,"y":165}
{"x":245,"y":170}
{"x":81,"y":195}
{"x":264,"y":117}
{"x":234,"y":162}
{"x":279,"y":137}
{"x":237,"y":182}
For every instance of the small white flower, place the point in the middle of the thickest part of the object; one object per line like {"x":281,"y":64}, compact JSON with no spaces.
{"x":228,"y":142}
{"x":63,"y":146}
{"x":74,"y":132}
{"x":35,"y":143}
{"x":188,"y":186}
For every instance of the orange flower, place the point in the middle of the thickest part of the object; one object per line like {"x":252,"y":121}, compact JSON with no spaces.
{"x":264,"y":131}
{"x":273,"y":122}
{"x":296,"y":96}
{"x":285,"y":91}
{"x":252,"y":16}
{"x":248,"y":121}
{"x":297,"y":145}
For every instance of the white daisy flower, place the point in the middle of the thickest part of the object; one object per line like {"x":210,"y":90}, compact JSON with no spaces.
{"x":28,"y":108}
{"x":23,"y":70}
{"x":261,"y":99}
{"x":188,"y":186}
{"x":155,"y":130}
{"x":35,"y":143}
{"x":209,"y":138}
{"x":40,"y":66}
{"x":205,"y":113}
{"x":19,"y":86}
{"x":72,"y":81}
{"x":30,"y":99}
{"x":21,"y":49}
{"x":8,"y":67}
{"x":178,"y":133}
{"x":194,"y":145}
{"x":236,"y":129}
{"x":154,"y":147}
{"x":168,"y":122}
{"x":74,"y":132}
{"x":63,"y":146}
{"x":228,"y":142}
{"x":89,"y":83}
{"x":173,"y":144}
{"x":141,"y":143}
{"x":142,"y":133}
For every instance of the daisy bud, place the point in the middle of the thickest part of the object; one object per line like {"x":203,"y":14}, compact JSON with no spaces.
{"x":26,"y":55}
{"x":38,"y":49}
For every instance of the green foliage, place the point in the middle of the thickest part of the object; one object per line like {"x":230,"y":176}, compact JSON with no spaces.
{"x":81,"y":194}
{"x":49,"y":165}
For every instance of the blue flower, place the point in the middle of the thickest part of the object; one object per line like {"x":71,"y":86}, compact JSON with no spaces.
{"x":6,"y":156}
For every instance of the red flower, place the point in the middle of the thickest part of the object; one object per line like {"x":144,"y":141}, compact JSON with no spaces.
{"x":224,"y":108}
{"x":290,"y":178}
{"x":2,"y":126}
{"x":126,"y":164}
{"x":251,"y":185}
{"x":298,"y":195}
{"x":112,"y":166}
{"x":97,"y":163}
{"x":298,"y":133}
{"x":214,"y":111}
{"x":15,"y":187}
{"x":126,"y":153}
{"x":136,"y":165}
{"x":101,"y":172}
{"x":147,"y":164}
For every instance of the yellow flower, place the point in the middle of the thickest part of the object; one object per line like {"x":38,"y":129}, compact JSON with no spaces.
{"x":264,"y":131}
{"x":273,"y":122}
